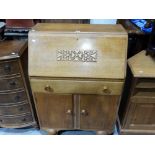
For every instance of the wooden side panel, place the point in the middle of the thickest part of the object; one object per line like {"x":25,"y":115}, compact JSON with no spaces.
{"x":98,"y":112}
{"x":54,"y":111}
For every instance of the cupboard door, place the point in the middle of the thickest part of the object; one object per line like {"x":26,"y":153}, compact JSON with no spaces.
{"x":141,"y":116}
{"x":98,"y":112}
{"x":54,"y":111}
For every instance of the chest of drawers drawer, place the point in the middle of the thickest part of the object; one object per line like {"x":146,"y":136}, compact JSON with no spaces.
{"x":145,"y":83}
{"x":17,"y":121}
{"x":15,"y":109}
{"x":13,"y":97}
{"x":11,"y":83}
{"x":143,"y":95}
{"x":9,"y":68}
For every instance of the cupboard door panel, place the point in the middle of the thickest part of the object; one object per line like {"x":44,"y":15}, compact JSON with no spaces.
{"x":54,"y":111}
{"x":142,"y":116}
{"x":98,"y":112}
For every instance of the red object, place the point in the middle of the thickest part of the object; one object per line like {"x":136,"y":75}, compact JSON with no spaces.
{"x":19,"y":23}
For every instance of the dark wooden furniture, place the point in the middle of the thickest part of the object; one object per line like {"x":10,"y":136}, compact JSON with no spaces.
{"x":18,"y":28}
{"x":76,"y":21}
{"x":2,"y":27}
{"x":19,"y":23}
{"x":137,"y":108}
{"x":73,"y":71}
{"x":151,"y":44}
{"x":137,"y":39}
{"x":15,"y":97}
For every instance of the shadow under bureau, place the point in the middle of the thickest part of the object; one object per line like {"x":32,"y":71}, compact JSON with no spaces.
{"x":77,"y":73}
{"x":15,"y":96}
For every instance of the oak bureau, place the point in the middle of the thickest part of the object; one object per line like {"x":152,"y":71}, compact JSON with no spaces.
{"x":77,"y":73}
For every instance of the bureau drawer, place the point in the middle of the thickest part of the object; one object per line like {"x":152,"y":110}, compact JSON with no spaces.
{"x":9,"y":68}
{"x":11,"y":83}
{"x":144,"y":95}
{"x":145,"y":83}
{"x":13,"y":97}
{"x":17,"y":121}
{"x":77,"y":87}
{"x":15,"y":109}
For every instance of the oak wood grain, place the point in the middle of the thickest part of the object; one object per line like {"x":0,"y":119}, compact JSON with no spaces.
{"x":110,"y":52}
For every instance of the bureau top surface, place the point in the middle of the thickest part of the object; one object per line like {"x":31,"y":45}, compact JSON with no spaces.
{"x":79,"y":28}
{"x":142,"y":65}
{"x":81,"y":55}
{"x":10,"y":49}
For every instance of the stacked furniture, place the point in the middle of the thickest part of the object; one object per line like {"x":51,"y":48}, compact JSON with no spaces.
{"x":137,"y":109}
{"x":15,"y":94}
{"x":18,"y":28}
{"x":77,"y":74}
{"x":137,"y":39}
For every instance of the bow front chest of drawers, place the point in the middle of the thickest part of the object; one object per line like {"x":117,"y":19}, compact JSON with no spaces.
{"x":77,"y":73}
{"x":15,"y":97}
{"x":137,"y":108}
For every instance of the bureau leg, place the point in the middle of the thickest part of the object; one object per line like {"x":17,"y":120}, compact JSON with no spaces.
{"x":101,"y":133}
{"x":36,"y":126}
{"x":52,"y":132}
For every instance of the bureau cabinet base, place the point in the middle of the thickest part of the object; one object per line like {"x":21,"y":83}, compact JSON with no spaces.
{"x":71,"y":112}
{"x":56,"y":131}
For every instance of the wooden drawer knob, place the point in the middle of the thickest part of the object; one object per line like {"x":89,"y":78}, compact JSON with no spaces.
{"x":69,"y":112}
{"x":106,"y":90}
{"x":84,"y":112}
{"x":48,"y":88}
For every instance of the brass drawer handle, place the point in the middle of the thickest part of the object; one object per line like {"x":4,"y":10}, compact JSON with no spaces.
{"x":84,"y":112}
{"x":69,"y":112}
{"x":24,"y":119}
{"x":12,"y":83}
{"x":21,"y":109}
{"x":7,"y":67}
{"x":48,"y":88}
{"x":106,"y":90}
{"x":17,"y":98}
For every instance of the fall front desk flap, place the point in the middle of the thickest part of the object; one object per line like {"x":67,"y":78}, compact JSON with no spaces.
{"x":77,"y":51}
